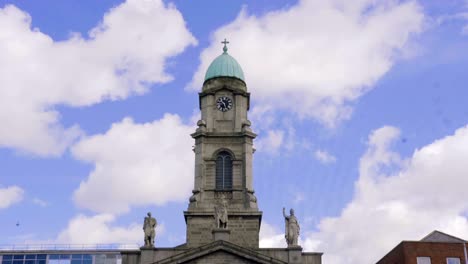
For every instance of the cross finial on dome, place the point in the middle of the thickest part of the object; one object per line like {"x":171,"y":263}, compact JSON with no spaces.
{"x":225,"y":49}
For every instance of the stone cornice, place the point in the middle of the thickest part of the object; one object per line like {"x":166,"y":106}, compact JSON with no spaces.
{"x":198,"y":134}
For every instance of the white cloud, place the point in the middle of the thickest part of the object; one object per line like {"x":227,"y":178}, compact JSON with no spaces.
{"x":464,"y":30}
{"x":397,"y":199}
{"x":283,"y":139}
{"x":40,"y":202}
{"x":10,"y":195}
{"x":271,"y":237}
{"x":324,"y":157}
{"x":463,"y":16}
{"x":136,"y":164}
{"x":271,"y":142}
{"x":317,"y":57}
{"x":299,"y":197}
{"x":122,"y":56}
{"x":99,"y":229}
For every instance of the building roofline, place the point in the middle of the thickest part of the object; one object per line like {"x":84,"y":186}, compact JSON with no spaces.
{"x":445,"y":234}
{"x":16,"y":248}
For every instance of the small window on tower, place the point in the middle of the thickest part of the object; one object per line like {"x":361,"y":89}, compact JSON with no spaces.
{"x":224,"y":171}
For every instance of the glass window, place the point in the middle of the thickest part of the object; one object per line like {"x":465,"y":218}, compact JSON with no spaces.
{"x":18,"y":257}
{"x":7,"y":257}
{"x":77,"y":256}
{"x":54,"y":256}
{"x":41,"y":256}
{"x":18,"y":261}
{"x":87,"y":256}
{"x":65,"y":261}
{"x":87,"y":261}
{"x":76,"y":261}
{"x":54,"y":261}
{"x":423,"y":260}
{"x":6,"y":262}
{"x":30,"y":261}
{"x":41,"y":261}
{"x":66,"y":256}
{"x":224,"y":171}
{"x":453,"y":260}
{"x":30,"y":256}
{"x":100,"y":259}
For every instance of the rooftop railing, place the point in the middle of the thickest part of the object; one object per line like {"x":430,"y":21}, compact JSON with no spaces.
{"x":27,"y":247}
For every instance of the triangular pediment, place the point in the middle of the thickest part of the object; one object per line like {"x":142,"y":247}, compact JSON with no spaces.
{"x":220,"y":250}
{"x":437,"y":236}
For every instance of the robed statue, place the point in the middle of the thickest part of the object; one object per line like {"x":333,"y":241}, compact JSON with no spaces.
{"x":221,"y":215}
{"x":149,"y":226}
{"x":291,"y":232}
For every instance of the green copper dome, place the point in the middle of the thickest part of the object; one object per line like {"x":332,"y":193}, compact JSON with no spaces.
{"x":224,"y":66}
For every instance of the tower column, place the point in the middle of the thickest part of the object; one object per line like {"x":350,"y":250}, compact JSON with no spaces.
{"x":223,"y":160}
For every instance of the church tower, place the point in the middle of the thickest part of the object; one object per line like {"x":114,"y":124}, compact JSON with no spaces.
{"x":223,"y":160}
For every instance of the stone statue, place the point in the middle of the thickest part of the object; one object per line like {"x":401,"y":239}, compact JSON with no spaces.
{"x":291,"y":232}
{"x":221,"y":214}
{"x":149,"y":226}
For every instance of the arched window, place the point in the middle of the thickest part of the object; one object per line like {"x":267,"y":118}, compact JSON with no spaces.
{"x":224,"y":171}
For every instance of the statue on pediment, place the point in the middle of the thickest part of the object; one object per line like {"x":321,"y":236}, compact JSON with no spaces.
{"x":291,"y":232}
{"x":149,"y":228}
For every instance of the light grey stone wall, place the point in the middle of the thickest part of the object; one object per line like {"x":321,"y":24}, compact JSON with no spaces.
{"x":130,"y":258}
{"x":292,"y":256}
{"x":229,"y":121}
{"x":312,"y":258}
{"x":199,"y":229}
{"x":150,"y":256}
{"x":244,"y":229}
{"x":220,"y":258}
{"x":287,"y":255}
{"x":218,"y":131}
{"x":207,"y":145}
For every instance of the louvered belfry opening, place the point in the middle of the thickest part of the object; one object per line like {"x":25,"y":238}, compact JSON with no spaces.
{"x":224,"y":171}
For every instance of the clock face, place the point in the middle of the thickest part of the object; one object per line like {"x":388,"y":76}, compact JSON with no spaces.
{"x":224,"y":103}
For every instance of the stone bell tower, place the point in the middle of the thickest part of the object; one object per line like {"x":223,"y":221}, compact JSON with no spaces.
{"x":223,"y":160}
{"x":223,"y":220}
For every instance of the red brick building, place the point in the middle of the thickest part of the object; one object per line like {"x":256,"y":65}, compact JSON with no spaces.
{"x":435,"y":248}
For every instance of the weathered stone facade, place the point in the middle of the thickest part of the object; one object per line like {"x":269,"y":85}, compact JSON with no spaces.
{"x":223,"y":131}
{"x":221,"y":252}
{"x":244,"y":228}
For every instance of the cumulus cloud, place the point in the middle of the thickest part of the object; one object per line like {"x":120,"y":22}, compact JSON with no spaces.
{"x":136,"y":164}
{"x":411,"y":197}
{"x":10,"y":195}
{"x":100,"y":229}
{"x":283,"y":139}
{"x":324,"y":157}
{"x":40,"y":202}
{"x":464,"y":17}
{"x":460,"y":16}
{"x":123,"y":55}
{"x":317,"y":57}
{"x":271,"y":142}
{"x":271,"y":237}
{"x":299,"y":197}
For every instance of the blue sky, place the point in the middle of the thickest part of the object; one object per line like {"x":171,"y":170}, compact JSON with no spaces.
{"x":360,"y":110}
